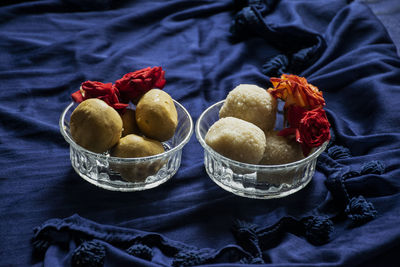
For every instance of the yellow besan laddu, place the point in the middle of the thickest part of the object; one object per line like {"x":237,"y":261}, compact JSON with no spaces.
{"x":129,"y":122}
{"x":95,"y":125}
{"x":134,"y":146}
{"x":98,"y":127}
{"x":156,"y":115}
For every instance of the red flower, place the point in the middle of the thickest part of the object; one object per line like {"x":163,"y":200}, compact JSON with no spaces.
{"x":310,"y":127}
{"x":303,"y":111}
{"x":295,"y":90}
{"x":314,"y":128}
{"x":104,"y":91}
{"x":135,"y":84}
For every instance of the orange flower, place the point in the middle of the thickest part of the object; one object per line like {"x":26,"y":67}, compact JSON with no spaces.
{"x":295,"y":90}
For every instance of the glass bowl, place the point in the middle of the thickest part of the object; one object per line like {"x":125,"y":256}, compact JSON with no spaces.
{"x":128,"y":174}
{"x":251,"y":180}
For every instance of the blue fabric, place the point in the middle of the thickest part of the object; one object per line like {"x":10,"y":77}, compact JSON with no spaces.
{"x":388,"y":13}
{"x":348,"y":215}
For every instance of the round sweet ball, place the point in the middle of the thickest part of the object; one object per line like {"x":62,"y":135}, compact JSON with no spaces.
{"x":135,"y":146}
{"x":95,"y":125}
{"x":156,"y":115}
{"x":129,"y":122}
{"x":251,"y":103}
{"x":237,"y":139}
{"x":280,"y":150}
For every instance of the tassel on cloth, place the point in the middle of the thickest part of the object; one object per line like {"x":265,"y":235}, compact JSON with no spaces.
{"x":293,"y":63}
{"x":246,"y":20}
{"x":360,"y":211}
{"x":308,"y":55}
{"x":357,"y":208}
{"x":339,"y":152}
{"x":317,"y":229}
{"x":140,"y":251}
{"x":276,"y":66}
{"x":373,"y":167}
{"x":89,"y":254}
{"x":192,"y":257}
{"x":246,"y":236}
{"x":241,"y":24}
{"x":254,"y":239}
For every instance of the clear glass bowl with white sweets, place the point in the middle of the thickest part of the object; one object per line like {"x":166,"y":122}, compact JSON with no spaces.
{"x":245,"y":154}
{"x":253,"y":180}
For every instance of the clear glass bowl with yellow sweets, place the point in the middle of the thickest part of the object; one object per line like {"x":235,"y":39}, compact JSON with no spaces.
{"x":128,"y":174}
{"x":251,"y":159}
{"x":126,"y":147}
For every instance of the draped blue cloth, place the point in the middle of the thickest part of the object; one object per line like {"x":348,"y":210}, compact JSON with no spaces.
{"x":348,"y":215}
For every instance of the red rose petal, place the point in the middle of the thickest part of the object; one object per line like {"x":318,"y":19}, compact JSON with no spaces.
{"x":104,"y":91}
{"x":77,"y":96}
{"x":135,"y":84}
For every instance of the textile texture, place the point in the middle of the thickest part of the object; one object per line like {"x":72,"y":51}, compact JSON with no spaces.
{"x":348,"y":215}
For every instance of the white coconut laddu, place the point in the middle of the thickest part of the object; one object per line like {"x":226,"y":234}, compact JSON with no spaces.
{"x":280,"y":150}
{"x":237,"y":139}
{"x":251,"y":103}
{"x":244,"y":142}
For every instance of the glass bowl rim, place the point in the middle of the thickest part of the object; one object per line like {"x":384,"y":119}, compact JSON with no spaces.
{"x":305,"y":160}
{"x":167,"y":153}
